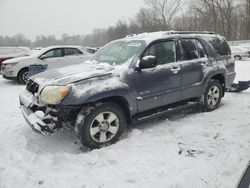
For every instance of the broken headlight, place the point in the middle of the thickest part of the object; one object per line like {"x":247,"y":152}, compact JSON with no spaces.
{"x":53,"y":94}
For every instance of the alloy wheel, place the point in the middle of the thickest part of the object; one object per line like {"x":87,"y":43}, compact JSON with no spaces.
{"x":213,"y":96}
{"x":25,"y":76}
{"x":104,"y":127}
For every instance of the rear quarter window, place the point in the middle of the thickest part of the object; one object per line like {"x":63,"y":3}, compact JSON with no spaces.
{"x":220,"y":46}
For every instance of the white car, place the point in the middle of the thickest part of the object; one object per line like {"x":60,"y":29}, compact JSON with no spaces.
{"x":53,"y":57}
{"x":239,"y":53}
{"x":246,"y":46}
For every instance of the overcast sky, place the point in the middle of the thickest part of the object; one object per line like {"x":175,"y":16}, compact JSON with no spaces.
{"x":55,"y":17}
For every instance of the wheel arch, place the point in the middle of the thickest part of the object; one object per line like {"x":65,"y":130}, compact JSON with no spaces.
{"x":122,"y":102}
{"x":18,"y":73}
{"x":221,"y":78}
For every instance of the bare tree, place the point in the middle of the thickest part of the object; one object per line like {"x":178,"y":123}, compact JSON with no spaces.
{"x":165,"y":10}
{"x":229,"y":18}
{"x":147,"y":19}
{"x":248,"y":18}
{"x":223,"y":13}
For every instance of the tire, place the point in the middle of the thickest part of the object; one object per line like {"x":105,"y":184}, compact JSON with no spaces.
{"x":102,"y":125}
{"x":23,"y":76}
{"x":212,"y":97}
{"x":237,"y":57}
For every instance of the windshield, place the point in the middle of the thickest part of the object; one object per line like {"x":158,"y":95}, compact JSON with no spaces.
{"x":118,"y":52}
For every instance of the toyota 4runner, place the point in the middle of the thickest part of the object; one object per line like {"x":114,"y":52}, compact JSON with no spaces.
{"x":131,"y":79}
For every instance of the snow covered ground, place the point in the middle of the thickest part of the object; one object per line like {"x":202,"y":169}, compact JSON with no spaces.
{"x":192,"y":150}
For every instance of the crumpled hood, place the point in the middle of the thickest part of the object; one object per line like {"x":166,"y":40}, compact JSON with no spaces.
{"x":71,"y":74}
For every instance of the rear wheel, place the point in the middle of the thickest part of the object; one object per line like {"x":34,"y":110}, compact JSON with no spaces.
{"x":212,"y":97}
{"x":102,"y":126}
{"x":237,"y":57}
{"x":23,"y":76}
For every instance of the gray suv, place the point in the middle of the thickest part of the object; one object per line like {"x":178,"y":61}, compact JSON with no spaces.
{"x":128,"y":80}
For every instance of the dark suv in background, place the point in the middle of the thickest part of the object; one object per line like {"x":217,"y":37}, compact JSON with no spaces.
{"x":130,"y":79}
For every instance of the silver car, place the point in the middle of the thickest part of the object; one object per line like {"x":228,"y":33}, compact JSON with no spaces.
{"x":239,"y":53}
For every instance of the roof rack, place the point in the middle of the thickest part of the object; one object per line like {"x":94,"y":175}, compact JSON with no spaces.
{"x":171,"y":32}
{"x":189,"y":32}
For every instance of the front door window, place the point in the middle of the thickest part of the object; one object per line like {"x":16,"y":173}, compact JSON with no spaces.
{"x":53,"y":53}
{"x":163,"y":51}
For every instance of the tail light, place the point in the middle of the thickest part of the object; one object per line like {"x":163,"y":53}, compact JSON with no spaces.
{"x":231,"y":65}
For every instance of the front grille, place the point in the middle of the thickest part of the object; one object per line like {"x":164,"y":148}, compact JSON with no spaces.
{"x":32,"y":86}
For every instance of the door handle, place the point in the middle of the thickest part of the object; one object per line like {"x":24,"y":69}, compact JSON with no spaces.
{"x":175,"y":69}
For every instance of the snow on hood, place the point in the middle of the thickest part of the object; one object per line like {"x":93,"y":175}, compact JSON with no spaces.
{"x":71,"y":74}
{"x":17,"y":59}
{"x":94,"y":86}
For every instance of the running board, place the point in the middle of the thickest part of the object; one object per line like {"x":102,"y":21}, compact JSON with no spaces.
{"x":164,"y":111}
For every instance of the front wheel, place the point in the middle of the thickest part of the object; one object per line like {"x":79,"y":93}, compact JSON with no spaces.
{"x":212,"y":97}
{"x":103,"y":125}
{"x":23,"y":76}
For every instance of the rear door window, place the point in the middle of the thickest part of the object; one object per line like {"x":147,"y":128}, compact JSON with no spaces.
{"x":201,"y":49}
{"x":71,"y":51}
{"x":192,"y":49}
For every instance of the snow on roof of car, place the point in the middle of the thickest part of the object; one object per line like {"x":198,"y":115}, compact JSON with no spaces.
{"x":151,"y":36}
{"x":43,"y":50}
{"x":63,"y":46}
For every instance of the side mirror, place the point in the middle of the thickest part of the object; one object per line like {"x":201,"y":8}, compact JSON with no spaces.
{"x":43,"y":57}
{"x":148,"y":62}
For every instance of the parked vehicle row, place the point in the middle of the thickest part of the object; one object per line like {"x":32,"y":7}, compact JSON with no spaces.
{"x":53,"y":57}
{"x":130,"y":79}
{"x":12,"y":52}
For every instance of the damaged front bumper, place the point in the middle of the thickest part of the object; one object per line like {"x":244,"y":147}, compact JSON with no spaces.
{"x":36,"y":115}
{"x":35,"y":122}
{"x":45,"y":119}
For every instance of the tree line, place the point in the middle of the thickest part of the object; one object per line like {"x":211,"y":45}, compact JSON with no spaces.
{"x":230,"y":18}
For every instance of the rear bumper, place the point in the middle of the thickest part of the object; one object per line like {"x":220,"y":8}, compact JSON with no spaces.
{"x":230,"y":78}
